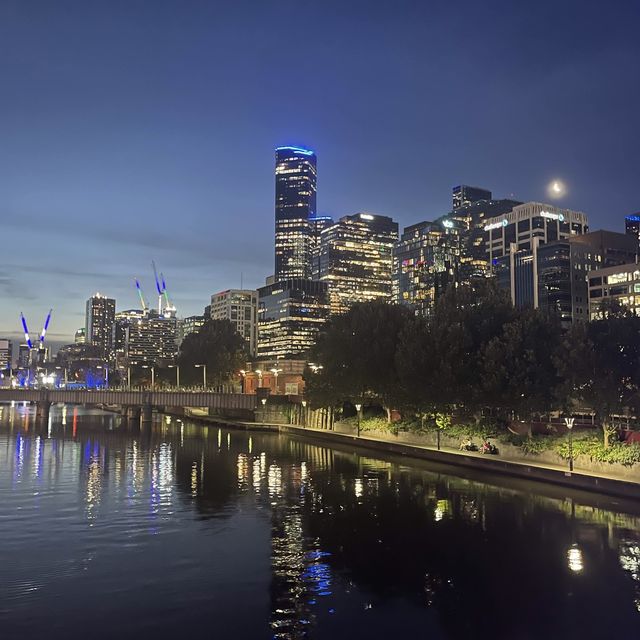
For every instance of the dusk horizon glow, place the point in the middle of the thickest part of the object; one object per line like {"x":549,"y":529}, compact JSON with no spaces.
{"x":134,"y":133}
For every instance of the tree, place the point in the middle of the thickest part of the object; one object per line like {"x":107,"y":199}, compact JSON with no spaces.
{"x":357,"y":354}
{"x":217,"y":345}
{"x":600,"y":367}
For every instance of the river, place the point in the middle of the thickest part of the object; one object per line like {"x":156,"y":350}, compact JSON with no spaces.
{"x":178,"y":530}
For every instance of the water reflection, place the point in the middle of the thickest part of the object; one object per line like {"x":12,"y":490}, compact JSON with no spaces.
{"x":348,"y":540}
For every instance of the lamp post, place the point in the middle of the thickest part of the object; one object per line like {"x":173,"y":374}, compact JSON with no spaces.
{"x":177,"y":368}
{"x":259,"y":372}
{"x":275,"y":372}
{"x":204,"y":374}
{"x":129,"y":377}
{"x":304,"y":414}
{"x":358,"y":409}
{"x":569,"y":423}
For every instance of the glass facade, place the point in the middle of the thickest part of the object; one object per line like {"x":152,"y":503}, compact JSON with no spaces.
{"x":425,"y":263}
{"x":290,"y":314}
{"x":356,"y":259}
{"x":632,"y":227}
{"x":620,"y":284}
{"x":295,"y":205}
{"x":464,"y":195}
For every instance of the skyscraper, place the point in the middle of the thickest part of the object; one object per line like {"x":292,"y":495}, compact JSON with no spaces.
{"x":6,"y":353}
{"x":464,"y":195}
{"x":295,"y":205}
{"x":99,"y":318}
{"x":356,"y":259}
{"x":318,"y":225}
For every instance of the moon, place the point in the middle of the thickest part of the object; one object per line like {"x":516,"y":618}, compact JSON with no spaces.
{"x":556,"y":189}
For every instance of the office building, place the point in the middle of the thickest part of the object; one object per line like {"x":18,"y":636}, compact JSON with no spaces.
{"x":240,"y":307}
{"x":295,"y":204}
{"x":426,"y":260}
{"x":614,"y":285}
{"x":632,"y":227}
{"x":81,"y":336}
{"x":356,"y":259}
{"x":24,"y":356}
{"x":553,"y":276}
{"x":99,"y":319}
{"x":151,"y":340}
{"x":528,"y":221}
{"x":290,"y":315}
{"x":465,"y":195}
{"x":187,"y":326}
{"x":318,"y":225}
{"x":6,"y":354}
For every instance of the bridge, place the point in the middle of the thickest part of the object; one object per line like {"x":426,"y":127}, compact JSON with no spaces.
{"x":132,"y":402}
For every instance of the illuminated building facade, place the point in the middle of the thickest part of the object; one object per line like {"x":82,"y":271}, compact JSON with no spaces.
{"x":290,"y":314}
{"x":425,"y":263}
{"x":318,"y":225}
{"x":529,"y":221}
{"x":240,"y":307}
{"x":295,"y":205}
{"x":356,"y":259}
{"x":6,"y":353}
{"x":553,"y":276}
{"x":80,"y":336}
{"x":99,"y":318}
{"x":464,"y":195}
{"x":620,"y":284}
{"x":186,"y":326}
{"x":144,"y":337}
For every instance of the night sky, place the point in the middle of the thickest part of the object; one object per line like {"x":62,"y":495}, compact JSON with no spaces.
{"x":132,"y":131}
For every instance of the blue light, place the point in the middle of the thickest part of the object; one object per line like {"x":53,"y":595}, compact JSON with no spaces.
{"x":634,"y":218}
{"x":306,"y":152}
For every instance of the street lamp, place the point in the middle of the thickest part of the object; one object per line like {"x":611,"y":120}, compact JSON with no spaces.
{"x":304,"y":413}
{"x":204,"y":374}
{"x":569,"y":423}
{"x":275,"y":372}
{"x":243,"y":373}
{"x":315,"y":367}
{"x":259,"y":372}
{"x":153,"y":374}
{"x":358,"y":409}
{"x":129,"y":377}
{"x":177,"y":368}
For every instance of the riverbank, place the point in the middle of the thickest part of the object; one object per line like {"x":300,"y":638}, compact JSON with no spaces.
{"x":609,"y":484}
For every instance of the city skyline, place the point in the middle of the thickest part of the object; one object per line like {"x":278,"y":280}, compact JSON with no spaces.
{"x":109,"y":164}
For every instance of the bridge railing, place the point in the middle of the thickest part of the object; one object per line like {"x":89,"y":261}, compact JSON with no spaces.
{"x":133,"y":398}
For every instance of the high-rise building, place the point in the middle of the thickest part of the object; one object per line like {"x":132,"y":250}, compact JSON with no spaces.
{"x":425,"y":262}
{"x":553,"y":276}
{"x":187,"y":326}
{"x":318,"y":225}
{"x":150,"y":339}
{"x":6,"y":353}
{"x":464,"y":195}
{"x":356,"y":259}
{"x":290,"y":315}
{"x":240,"y":307}
{"x":81,"y":336}
{"x":99,"y":319}
{"x":632,"y":227}
{"x":295,"y":205}
{"x":528,"y":221}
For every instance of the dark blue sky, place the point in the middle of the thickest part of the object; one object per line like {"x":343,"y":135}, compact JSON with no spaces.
{"x":132,"y":131}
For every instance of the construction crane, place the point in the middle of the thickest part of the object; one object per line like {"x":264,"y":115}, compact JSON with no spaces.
{"x":142,"y":300}
{"x":35,"y":355}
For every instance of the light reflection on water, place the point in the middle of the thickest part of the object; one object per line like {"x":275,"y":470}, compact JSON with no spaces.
{"x":160,"y":529}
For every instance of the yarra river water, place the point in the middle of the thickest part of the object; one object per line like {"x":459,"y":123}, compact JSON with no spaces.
{"x":184,"y":531}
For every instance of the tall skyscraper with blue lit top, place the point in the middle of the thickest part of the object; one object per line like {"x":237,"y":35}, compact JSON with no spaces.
{"x":295,"y":205}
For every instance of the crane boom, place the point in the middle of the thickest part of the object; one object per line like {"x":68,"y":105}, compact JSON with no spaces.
{"x":27,"y":339}
{"x":46,"y":326}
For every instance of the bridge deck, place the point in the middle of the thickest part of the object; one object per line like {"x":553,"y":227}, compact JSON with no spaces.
{"x":133,"y":398}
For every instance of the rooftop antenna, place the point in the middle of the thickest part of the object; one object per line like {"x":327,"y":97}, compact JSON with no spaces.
{"x":27,"y":339}
{"x":142,"y":300}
